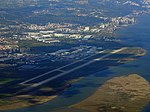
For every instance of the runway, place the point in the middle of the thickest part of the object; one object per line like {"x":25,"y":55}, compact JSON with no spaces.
{"x":62,"y":72}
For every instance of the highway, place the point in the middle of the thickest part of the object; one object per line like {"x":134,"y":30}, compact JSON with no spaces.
{"x":63,"y":73}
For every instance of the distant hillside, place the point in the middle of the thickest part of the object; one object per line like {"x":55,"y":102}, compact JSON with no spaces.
{"x":16,"y":3}
{"x":23,"y":3}
{"x":70,"y":11}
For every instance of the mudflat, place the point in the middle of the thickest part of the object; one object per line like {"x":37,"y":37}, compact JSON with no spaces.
{"x":120,"y":94}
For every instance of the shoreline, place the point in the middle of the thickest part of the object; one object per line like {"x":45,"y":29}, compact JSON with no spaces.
{"x":20,"y":102}
{"x":118,"y":95}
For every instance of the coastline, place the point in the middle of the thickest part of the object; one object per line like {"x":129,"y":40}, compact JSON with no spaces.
{"x":21,"y":102}
{"x":119,"y":94}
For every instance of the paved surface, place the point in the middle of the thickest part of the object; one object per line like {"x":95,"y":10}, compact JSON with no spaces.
{"x":63,"y":73}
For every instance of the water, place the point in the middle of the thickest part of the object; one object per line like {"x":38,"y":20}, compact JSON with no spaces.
{"x":136,"y":35}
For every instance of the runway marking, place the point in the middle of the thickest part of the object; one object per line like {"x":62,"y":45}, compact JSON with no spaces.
{"x":58,"y":69}
{"x":66,"y":72}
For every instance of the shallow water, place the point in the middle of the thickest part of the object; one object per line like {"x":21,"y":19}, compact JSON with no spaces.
{"x":136,"y":35}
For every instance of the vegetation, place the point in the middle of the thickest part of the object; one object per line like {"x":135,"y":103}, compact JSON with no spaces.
{"x":23,"y":101}
{"x":5,"y":81}
{"x":31,"y":43}
{"x":120,"y":94}
{"x":16,"y":3}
